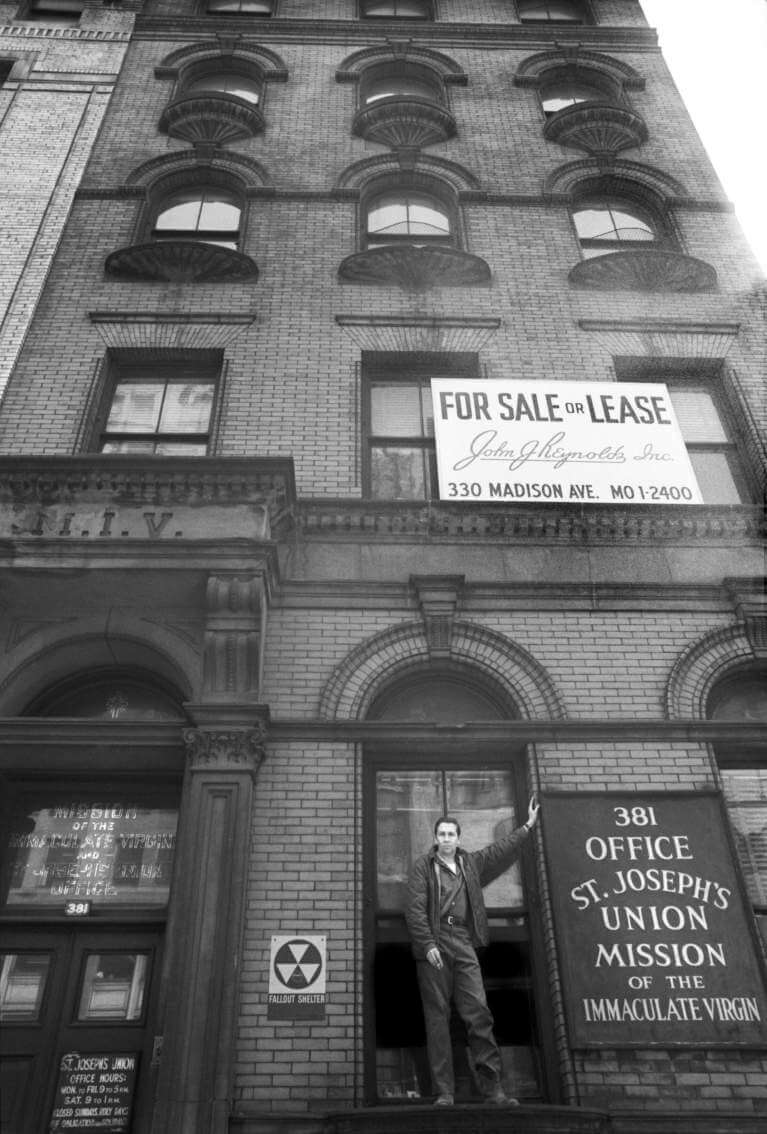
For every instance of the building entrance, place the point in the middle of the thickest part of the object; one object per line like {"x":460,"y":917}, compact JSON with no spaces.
{"x":78,"y":1015}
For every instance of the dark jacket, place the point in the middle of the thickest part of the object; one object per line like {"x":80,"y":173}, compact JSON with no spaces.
{"x":479,"y":868}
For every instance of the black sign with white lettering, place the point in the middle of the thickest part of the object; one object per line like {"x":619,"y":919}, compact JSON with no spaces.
{"x":94,"y":1092}
{"x":655,"y":944}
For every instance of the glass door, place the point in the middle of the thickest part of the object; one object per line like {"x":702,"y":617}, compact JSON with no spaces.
{"x":402,"y":806}
{"x":77,"y":1015}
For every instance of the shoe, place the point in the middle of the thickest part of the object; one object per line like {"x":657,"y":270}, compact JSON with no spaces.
{"x":498,"y":1097}
{"x":443,"y":1100}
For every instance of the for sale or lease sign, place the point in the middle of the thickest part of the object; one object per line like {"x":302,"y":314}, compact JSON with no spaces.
{"x":540,"y":441}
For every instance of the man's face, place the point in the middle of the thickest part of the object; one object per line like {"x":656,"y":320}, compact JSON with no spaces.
{"x":447,"y":839}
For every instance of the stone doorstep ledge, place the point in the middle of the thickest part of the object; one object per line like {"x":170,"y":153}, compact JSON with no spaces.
{"x":532,"y":1118}
{"x":463,"y":1118}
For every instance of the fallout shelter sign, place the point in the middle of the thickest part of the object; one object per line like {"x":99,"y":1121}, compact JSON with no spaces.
{"x":654,"y":940}
{"x":297,"y":978}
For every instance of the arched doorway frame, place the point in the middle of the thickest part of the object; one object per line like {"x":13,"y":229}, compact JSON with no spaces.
{"x":519,"y":687}
{"x":88,"y":759}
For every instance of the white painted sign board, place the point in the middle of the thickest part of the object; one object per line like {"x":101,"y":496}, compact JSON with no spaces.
{"x":540,"y":441}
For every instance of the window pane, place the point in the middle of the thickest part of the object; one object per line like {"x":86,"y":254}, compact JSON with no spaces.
{"x":399,"y":474}
{"x":482,"y":801}
{"x":410,"y":8}
{"x":745,"y":790}
{"x":128,"y":447}
{"x":182,"y":214}
{"x":403,"y":215}
{"x":697,"y":414}
{"x":555,"y":96}
{"x":605,"y":222}
{"x":245,"y":7}
{"x":54,"y":11}
{"x":79,"y":849}
{"x":135,"y":407}
{"x":743,"y":700}
{"x":433,"y":699}
{"x":219,"y":214}
{"x":388,"y":217}
{"x":593,"y":223}
{"x":180,"y":449}
{"x":407,"y":805}
{"x":226,"y":82}
{"x":22,"y":985}
{"x":400,"y":411}
{"x":113,"y":987}
{"x":399,"y":85}
{"x":200,"y":211}
{"x":630,"y":226}
{"x":534,"y":10}
{"x":714,"y":476}
{"x":425,"y":218}
{"x":186,"y":408}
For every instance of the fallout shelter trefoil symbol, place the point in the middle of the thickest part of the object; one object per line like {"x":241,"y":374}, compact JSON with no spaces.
{"x":297,"y":964}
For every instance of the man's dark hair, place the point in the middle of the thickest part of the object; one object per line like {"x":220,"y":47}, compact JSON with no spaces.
{"x":447,"y":819}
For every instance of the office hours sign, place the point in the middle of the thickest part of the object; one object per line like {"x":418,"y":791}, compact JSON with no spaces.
{"x":560,"y":442}
{"x":655,"y":944}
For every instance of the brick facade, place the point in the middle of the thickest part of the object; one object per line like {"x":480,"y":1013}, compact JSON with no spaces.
{"x":288,"y":607}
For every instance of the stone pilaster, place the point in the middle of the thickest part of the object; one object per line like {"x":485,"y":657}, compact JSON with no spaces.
{"x":205,"y":929}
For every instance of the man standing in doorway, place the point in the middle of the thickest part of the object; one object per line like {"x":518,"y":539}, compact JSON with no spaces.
{"x":447,"y":921}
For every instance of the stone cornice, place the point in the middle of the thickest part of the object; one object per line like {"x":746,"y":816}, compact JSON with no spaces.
{"x":504,"y":733}
{"x":582,"y":525}
{"x":510,"y":595}
{"x":47,"y":32}
{"x":434,"y":33}
{"x":140,"y":481}
{"x":111,"y":740}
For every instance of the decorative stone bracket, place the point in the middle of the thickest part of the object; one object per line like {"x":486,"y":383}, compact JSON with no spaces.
{"x":749,"y":597}
{"x":438,"y":597}
{"x":234,"y":635}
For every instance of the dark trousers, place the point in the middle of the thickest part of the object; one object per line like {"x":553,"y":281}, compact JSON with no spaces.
{"x":458,"y":981}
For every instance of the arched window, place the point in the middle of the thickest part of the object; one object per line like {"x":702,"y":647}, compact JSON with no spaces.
{"x":555,"y":11}
{"x":403,"y":80}
{"x":407,"y":216}
{"x":610,"y":224}
{"x":743,"y":771}
{"x":217,"y":101}
{"x":112,"y":694}
{"x":402,"y":9}
{"x":206,"y":213}
{"x":627,"y":237}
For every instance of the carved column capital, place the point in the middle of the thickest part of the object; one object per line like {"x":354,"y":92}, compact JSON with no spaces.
{"x":226,"y":749}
